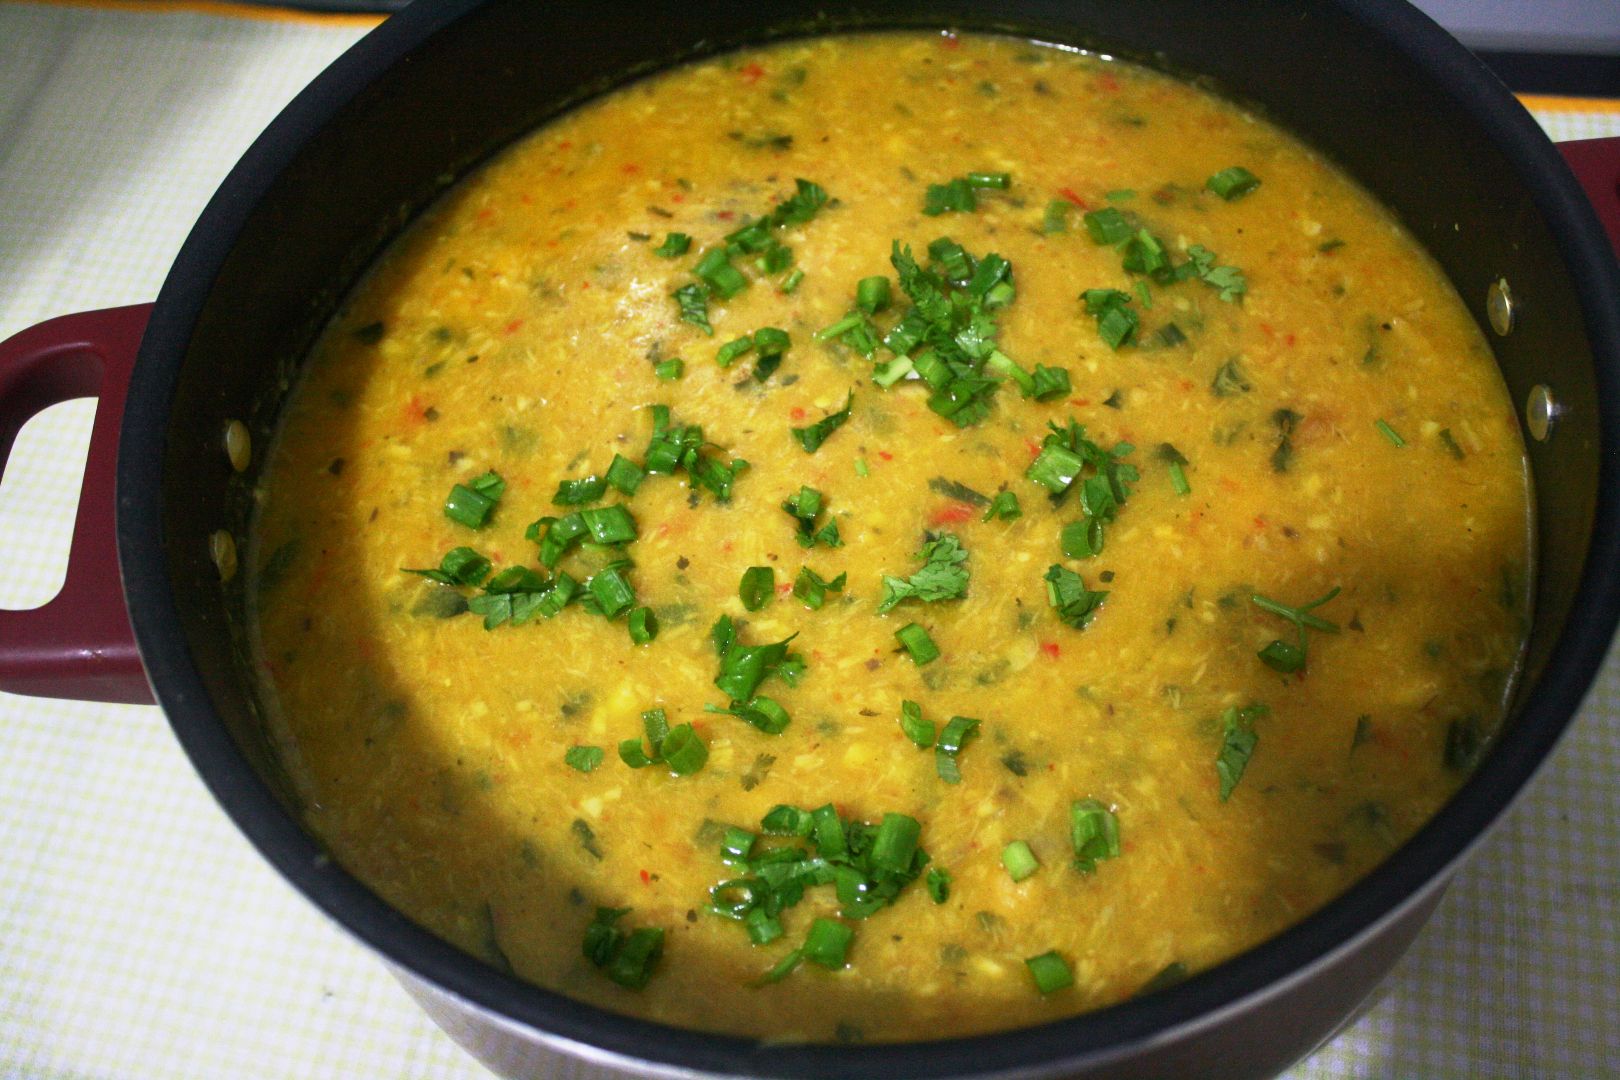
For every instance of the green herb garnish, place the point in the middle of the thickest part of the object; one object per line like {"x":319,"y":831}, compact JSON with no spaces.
{"x":1117,"y":321}
{"x":627,"y":959}
{"x":584,"y":758}
{"x":805,"y":508}
{"x":1004,"y":506}
{"x":1177,"y":463}
{"x":914,"y":638}
{"x":680,"y":748}
{"x":1289,"y":657}
{"x":812,"y":588}
{"x":471,"y":504}
{"x":942,"y":577}
{"x":1018,"y":860}
{"x":758,"y":585}
{"x":1093,"y":833}
{"x":1066,"y":592}
{"x":1232,"y":183}
{"x":918,"y":730}
{"x":1238,"y":741}
{"x":459,"y":566}
{"x":1050,"y":972}
{"x":952,"y":739}
{"x":813,"y":436}
{"x":674,"y":246}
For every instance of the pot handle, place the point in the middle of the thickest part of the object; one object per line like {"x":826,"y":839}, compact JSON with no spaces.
{"x":79,"y":644}
{"x":1596,"y":164}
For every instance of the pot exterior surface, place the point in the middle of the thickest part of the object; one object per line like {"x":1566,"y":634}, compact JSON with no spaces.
{"x":377,"y":137}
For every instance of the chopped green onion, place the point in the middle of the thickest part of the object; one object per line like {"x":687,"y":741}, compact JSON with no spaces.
{"x":610,"y":591}
{"x":1389,"y":433}
{"x":643,"y":625}
{"x":783,"y":967}
{"x":791,"y":283}
{"x":587,"y":489}
{"x":609,"y":524}
{"x":624,"y":475}
{"x":1050,"y":971}
{"x":674,"y":246}
{"x":757,"y":586}
{"x":997,"y":181}
{"x":831,"y":837}
{"x":772,"y":343}
{"x":1176,"y":463}
{"x":762,"y":928}
{"x":601,"y":937}
{"x":1056,"y":217}
{"x":1093,"y":832}
{"x":470,"y":505}
{"x":918,"y":643}
{"x":731,"y":350}
{"x":459,"y":566}
{"x":1232,"y":183}
{"x":939,"y":885}
{"x":1117,"y":321}
{"x":953,"y":196}
{"x":683,"y":750}
{"x":736,"y":845}
{"x":955,"y":736}
{"x":827,"y":944}
{"x":1082,"y":539}
{"x":584,"y":758}
{"x":788,"y":821}
{"x":670,"y":369}
{"x":1108,"y":225}
{"x":633,"y":965}
{"x":918,"y":730}
{"x":862,"y":468}
{"x":1019,"y":860}
{"x":872,"y":294}
{"x":714,"y":269}
{"x":1050,"y":383}
{"x":895,"y":843}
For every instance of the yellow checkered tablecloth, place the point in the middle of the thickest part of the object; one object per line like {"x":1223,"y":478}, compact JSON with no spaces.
{"x":140,"y":935}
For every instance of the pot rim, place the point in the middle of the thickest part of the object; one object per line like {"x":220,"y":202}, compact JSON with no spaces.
{"x":1092,"y":1038}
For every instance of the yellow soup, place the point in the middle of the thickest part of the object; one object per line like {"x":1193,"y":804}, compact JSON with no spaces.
{"x":1148,"y":541}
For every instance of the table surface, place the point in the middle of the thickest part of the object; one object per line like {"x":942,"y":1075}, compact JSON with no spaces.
{"x":141,"y":936}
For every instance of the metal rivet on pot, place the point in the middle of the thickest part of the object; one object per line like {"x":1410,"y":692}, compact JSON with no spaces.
{"x":1500,"y":308}
{"x":222,"y":549}
{"x":238,"y":445}
{"x":1540,"y":412}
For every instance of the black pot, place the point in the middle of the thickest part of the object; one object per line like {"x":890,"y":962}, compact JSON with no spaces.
{"x":430,"y":94}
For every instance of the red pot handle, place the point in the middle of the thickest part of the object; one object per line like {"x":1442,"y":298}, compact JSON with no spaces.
{"x":1596,"y":164}
{"x":79,"y":645}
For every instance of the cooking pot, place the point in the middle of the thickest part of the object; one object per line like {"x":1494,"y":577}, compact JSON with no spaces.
{"x":431,"y":93}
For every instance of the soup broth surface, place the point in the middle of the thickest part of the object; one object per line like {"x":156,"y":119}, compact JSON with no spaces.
{"x":1286,"y":399}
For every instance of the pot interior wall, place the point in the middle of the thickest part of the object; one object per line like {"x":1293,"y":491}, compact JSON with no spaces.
{"x":306,"y":213}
